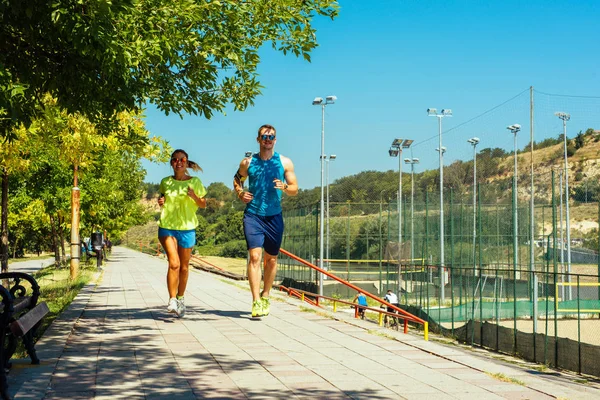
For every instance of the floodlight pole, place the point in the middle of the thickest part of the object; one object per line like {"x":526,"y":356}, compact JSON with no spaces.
{"x":412,"y":161}
{"x":474,"y":142}
{"x":442,"y":232}
{"x":318,"y":101}
{"x":400,"y":224}
{"x":329,"y":159}
{"x":445,"y":113}
{"x":565,"y":117}
{"x":514,"y":129}
{"x":396,"y":151}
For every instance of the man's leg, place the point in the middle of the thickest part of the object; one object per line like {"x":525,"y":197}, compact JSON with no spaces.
{"x":253,"y":270}
{"x":273,"y":239}
{"x":270,"y":272}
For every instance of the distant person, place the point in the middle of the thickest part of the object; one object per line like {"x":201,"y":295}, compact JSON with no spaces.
{"x":391,"y":298}
{"x":83,"y":251}
{"x":362,"y":303}
{"x":269,"y":174}
{"x":181,"y":195}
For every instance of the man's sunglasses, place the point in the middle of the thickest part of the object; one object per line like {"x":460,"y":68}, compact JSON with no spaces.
{"x":267,"y":137}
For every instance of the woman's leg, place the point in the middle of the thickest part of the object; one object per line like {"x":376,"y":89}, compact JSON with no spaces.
{"x":169,"y":243}
{"x":184,"y":259}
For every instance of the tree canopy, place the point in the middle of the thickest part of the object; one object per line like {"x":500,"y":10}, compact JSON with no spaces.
{"x":99,"y":57}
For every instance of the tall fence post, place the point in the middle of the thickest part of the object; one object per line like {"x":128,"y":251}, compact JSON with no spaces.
{"x":348,"y":245}
{"x":380,"y":247}
{"x":555,"y":265}
{"x":451,"y":266}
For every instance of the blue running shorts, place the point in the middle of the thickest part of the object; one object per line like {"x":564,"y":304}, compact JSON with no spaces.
{"x":265,"y":232}
{"x":185,"y":239}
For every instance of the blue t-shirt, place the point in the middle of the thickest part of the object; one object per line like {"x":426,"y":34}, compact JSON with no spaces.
{"x":267,"y":200}
{"x":362,"y":300}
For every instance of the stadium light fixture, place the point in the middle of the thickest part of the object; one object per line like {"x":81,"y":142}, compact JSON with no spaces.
{"x":318,"y":101}
{"x":446,"y":112}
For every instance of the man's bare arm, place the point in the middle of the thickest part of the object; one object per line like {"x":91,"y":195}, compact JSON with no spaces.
{"x":238,"y":181}
{"x":291,"y":183}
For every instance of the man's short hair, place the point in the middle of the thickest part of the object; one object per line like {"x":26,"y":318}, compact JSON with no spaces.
{"x":266,"y":127}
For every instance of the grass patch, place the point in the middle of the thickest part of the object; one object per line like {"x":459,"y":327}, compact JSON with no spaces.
{"x":380,"y":333}
{"x":237,"y":266}
{"x":540,"y":368}
{"x":58,"y":291}
{"x":504,"y":378}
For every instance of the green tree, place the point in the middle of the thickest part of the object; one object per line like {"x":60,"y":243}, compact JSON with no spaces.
{"x":97,"y":58}
{"x":579,"y":140}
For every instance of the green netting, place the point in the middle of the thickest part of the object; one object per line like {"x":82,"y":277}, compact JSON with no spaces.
{"x":502,"y":310}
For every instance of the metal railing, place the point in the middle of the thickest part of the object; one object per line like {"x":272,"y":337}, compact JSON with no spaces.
{"x":401,"y":313}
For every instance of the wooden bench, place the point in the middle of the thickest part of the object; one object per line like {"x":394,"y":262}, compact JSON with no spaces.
{"x":20,"y":316}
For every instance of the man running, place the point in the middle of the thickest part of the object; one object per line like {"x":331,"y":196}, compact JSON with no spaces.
{"x":270,"y":174}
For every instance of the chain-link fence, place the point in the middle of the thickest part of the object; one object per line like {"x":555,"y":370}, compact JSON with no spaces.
{"x":509,"y":263}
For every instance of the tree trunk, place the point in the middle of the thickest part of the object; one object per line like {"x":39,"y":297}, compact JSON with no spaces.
{"x":54,"y":241}
{"x":4,"y":223}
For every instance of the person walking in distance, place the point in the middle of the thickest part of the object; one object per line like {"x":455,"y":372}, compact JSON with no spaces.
{"x":180,"y":197}
{"x":269,"y":174}
{"x":391,"y":298}
{"x":362,"y":304}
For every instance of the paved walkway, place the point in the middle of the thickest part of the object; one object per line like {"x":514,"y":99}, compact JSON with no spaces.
{"x":117,"y":341}
{"x":30,"y":266}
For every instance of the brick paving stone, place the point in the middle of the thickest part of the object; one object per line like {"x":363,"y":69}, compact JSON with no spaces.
{"x":117,"y":341}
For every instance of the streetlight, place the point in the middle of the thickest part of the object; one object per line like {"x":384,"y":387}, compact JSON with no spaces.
{"x":474,"y":142}
{"x":432,"y":112}
{"x":318,"y":101}
{"x":514,"y":129}
{"x":331,"y":157}
{"x":565,"y":117}
{"x":396,"y":151}
{"x":412,"y":162}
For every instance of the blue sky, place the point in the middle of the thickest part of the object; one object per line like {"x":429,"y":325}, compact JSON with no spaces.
{"x":387,"y":62}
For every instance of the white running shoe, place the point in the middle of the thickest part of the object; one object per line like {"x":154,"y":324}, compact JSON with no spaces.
{"x":180,"y":307}
{"x":173,"y":305}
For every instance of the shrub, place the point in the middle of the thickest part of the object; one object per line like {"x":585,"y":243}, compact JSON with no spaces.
{"x":234,"y":249}
{"x":208,"y":250}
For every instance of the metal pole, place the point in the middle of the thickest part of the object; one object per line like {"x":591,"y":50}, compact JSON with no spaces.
{"x":474,"y":201}
{"x":442,"y":280}
{"x":400,"y":223}
{"x":327,"y":254}
{"x":568,"y":216}
{"x":562,"y":237}
{"x":532,"y":219}
{"x":412,"y":210}
{"x":322,"y":211}
{"x":515,"y":216}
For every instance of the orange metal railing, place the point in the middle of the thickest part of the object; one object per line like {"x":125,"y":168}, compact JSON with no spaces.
{"x":308,"y":297}
{"x":405,"y":315}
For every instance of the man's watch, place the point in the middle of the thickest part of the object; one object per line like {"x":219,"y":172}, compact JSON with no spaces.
{"x":285,"y":186}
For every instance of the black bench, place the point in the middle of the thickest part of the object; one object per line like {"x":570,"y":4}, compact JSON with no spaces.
{"x":20,"y":316}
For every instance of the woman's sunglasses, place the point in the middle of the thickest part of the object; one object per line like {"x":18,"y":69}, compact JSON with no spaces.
{"x":182,"y":159}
